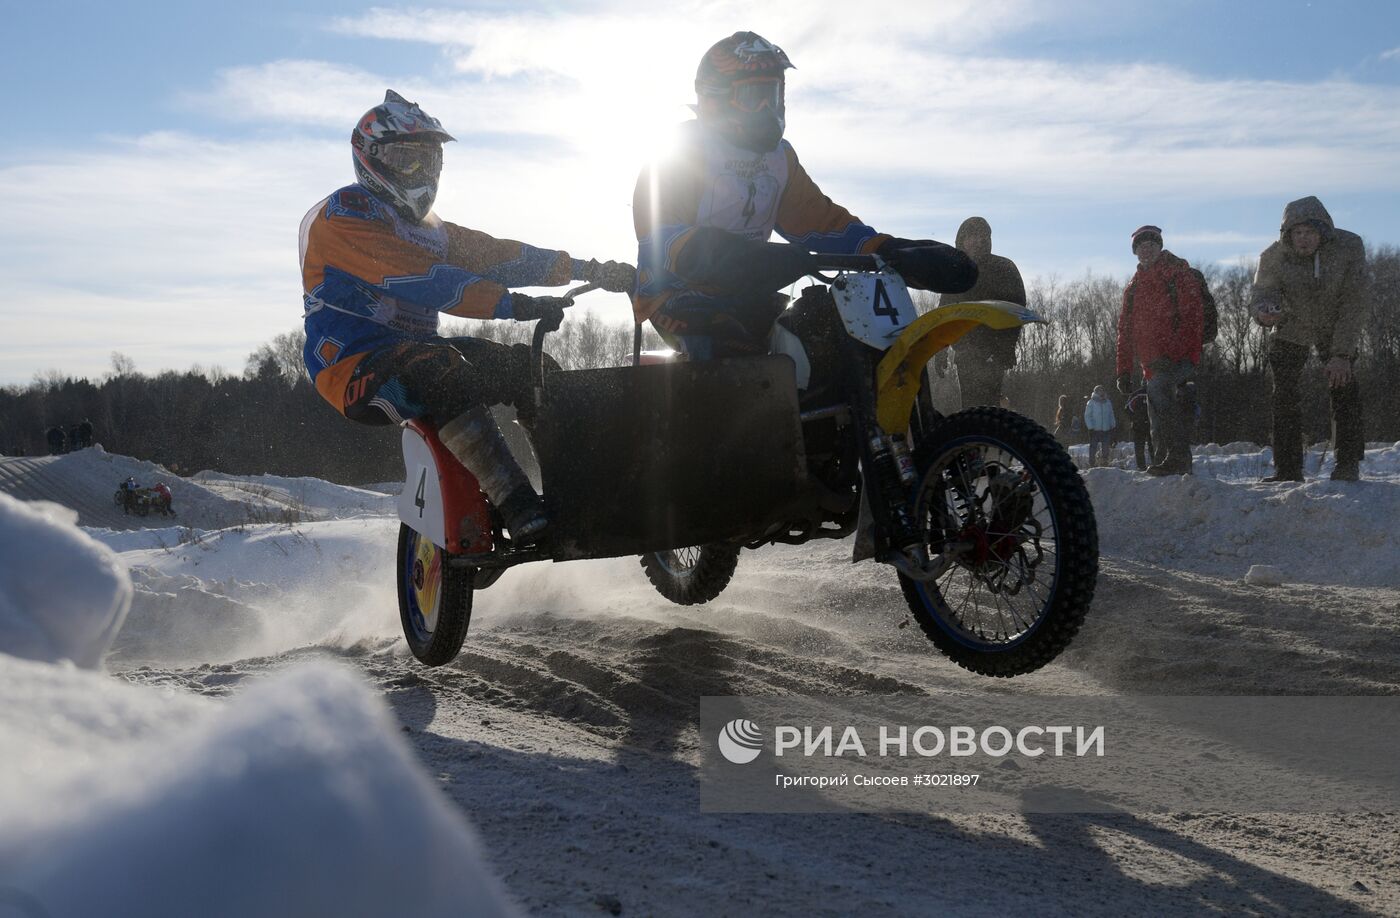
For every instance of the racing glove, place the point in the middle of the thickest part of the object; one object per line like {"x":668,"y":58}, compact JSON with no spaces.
{"x":929,"y":265}
{"x":529,"y":308}
{"x":613,"y":276}
{"x":719,"y":259}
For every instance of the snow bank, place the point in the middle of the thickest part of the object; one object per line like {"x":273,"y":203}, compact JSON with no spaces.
{"x":62,"y":595}
{"x":296,"y":798}
{"x":1220,"y":521}
{"x":260,"y":590}
{"x":310,"y":497}
{"x":94,"y":474}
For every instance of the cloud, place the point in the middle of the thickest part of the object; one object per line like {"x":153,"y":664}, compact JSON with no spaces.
{"x":308,"y":93}
{"x":179,"y":249}
{"x":915,"y":105}
{"x":1220,"y":238}
{"x":1391,"y":55}
{"x":171,"y":248}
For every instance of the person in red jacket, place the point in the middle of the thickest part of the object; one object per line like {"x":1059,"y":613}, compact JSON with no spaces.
{"x":1159,"y":329}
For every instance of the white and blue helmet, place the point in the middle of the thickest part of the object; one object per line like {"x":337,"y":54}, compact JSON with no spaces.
{"x":398,"y":155}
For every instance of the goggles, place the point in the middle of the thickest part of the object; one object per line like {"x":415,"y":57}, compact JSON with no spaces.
{"x":755,"y":95}
{"x":410,"y":160}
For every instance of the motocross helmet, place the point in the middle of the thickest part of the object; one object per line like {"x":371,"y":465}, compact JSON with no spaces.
{"x":739,"y":91}
{"x":398,"y":155}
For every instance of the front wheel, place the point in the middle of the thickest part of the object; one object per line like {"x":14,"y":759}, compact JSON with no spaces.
{"x":694,"y":575}
{"x":435,"y":599}
{"x":1002,"y":499}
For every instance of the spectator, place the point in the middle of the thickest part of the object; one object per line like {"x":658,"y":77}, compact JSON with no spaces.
{"x":984,"y":354}
{"x":84,"y":434}
{"x":1099,"y":420}
{"x":56,"y":439}
{"x":1062,"y":420}
{"x":1159,"y":329}
{"x":162,"y":499}
{"x":1004,"y":403}
{"x":1311,"y":289}
{"x":1141,"y":428}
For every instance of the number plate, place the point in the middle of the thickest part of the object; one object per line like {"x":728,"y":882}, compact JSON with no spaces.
{"x":420,"y":502}
{"x":875,"y":307}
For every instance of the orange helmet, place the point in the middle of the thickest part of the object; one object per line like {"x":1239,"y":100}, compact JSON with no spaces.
{"x":740,"y":91}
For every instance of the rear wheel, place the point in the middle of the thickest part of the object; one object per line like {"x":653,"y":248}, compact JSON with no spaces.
{"x":694,"y":575}
{"x":435,"y":599}
{"x":1002,"y":498}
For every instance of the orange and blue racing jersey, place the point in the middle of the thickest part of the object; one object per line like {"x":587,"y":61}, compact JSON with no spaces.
{"x":372,"y":279}
{"x":709,"y":182}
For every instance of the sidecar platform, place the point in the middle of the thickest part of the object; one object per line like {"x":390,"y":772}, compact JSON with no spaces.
{"x":640,"y":459}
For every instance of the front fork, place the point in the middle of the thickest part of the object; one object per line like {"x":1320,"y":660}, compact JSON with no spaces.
{"x":887,"y":467}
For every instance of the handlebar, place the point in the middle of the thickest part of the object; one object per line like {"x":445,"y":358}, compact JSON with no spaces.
{"x":562,"y":302}
{"x":546,"y":324}
{"x":847,"y":263}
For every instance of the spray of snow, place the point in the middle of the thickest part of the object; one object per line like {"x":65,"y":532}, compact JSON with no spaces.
{"x":298,"y":797}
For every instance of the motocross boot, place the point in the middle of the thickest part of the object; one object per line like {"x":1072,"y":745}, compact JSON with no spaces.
{"x":477,"y":442}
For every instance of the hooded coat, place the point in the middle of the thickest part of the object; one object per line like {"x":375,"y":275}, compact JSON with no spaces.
{"x":1098,"y":413}
{"x":998,"y":278}
{"x":1324,"y":296}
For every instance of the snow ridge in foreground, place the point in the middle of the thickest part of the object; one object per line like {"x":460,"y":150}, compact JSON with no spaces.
{"x":62,"y":595}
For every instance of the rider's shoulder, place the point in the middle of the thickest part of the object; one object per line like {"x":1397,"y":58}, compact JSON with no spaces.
{"x":354,"y":202}
{"x":682,"y":142}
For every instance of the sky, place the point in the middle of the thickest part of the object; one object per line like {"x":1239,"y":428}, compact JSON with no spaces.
{"x":160,"y":155}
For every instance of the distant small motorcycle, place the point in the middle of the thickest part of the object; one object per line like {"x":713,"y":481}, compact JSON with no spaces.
{"x":144,"y":501}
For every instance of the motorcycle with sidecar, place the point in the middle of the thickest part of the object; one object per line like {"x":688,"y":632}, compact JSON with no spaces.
{"x":981,"y":514}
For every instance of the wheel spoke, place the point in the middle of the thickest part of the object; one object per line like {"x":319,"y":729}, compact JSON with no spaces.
{"x":986,"y":493}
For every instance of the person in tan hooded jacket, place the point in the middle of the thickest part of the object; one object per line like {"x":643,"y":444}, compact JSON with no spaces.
{"x":984,"y":354}
{"x":1312,"y":290}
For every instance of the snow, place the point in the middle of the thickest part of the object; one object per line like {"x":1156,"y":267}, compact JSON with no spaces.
{"x":265,"y":779}
{"x":1264,"y":575}
{"x":310,"y":498}
{"x":62,"y":595}
{"x":1222,"y":521}
{"x":296,"y":798}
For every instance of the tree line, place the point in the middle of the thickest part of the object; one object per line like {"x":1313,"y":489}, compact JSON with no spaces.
{"x":270,"y":419}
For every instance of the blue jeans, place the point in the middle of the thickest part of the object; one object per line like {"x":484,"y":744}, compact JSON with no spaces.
{"x":1168,"y":407}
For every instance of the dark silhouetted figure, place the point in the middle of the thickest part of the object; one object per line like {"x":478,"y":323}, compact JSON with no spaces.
{"x":57,"y":440}
{"x":984,"y":355}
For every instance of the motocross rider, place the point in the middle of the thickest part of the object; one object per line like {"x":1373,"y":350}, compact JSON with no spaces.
{"x":377,"y":268}
{"x":704,"y":214}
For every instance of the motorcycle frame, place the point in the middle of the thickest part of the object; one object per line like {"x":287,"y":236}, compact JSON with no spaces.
{"x":881,"y":391}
